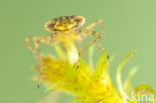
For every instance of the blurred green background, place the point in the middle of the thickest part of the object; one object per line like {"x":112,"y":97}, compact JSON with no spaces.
{"x":129,"y":24}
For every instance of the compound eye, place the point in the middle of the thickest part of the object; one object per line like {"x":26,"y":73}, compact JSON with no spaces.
{"x":75,"y":18}
{"x":49,"y":25}
{"x":79,"y":19}
{"x":82,"y":20}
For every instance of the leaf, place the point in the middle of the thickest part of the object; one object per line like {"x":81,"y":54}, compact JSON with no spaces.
{"x":145,"y":92}
{"x":101,"y":66}
{"x":75,"y":100}
{"x":144,"y":89}
{"x":127,"y":84}
{"x":60,"y":53}
{"x":51,"y":97}
{"x":72,"y":53}
{"x":90,"y":56}
{"x":118,"y":73}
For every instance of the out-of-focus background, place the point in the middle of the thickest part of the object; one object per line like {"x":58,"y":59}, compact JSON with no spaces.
{"x":129,"y":24}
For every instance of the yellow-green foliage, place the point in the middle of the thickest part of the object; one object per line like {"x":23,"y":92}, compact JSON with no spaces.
{"x":78,"y":78}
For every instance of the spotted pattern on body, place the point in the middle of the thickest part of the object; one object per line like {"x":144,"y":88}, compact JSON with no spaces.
{"x":65,"y":23}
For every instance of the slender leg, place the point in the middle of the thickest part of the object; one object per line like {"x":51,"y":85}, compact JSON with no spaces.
{"x":90,"y":26}
{"x":38,"y":40}
{"x":90,"y":44}
{"x":93,"y":42}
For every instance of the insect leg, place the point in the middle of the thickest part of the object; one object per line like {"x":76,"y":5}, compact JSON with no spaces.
{"x":90,"y":26}
{"x":93,"y":42}
{"x":38,"y":40}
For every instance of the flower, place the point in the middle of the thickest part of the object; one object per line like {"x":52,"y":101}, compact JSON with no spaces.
{"x":69,"y":74}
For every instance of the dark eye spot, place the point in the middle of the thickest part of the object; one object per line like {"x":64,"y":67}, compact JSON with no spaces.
{"x":50,"y":24}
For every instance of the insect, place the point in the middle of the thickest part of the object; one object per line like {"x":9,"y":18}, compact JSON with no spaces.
{"x":65,"y":29}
